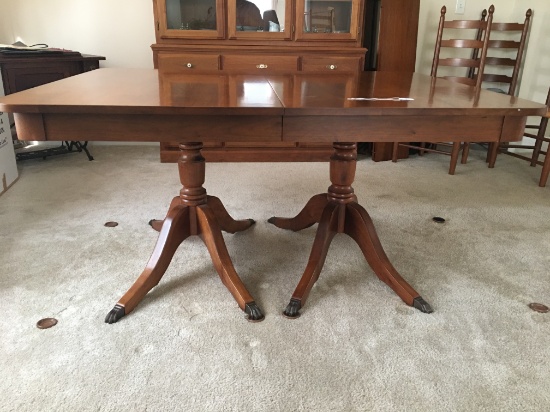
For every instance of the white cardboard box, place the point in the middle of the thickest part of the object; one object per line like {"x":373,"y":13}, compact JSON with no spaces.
{"x":8,"y":166}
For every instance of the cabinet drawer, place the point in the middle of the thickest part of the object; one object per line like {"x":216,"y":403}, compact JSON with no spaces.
{"x":330,"y":64}
{"x":193,"y":63}
{"x":259,"y":64}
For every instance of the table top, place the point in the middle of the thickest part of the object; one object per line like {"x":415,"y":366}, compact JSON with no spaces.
{"x":145,"y":91}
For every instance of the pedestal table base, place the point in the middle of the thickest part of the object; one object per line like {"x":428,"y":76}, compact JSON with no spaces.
{"x":338,"y":212}
{"x":192,"y":213}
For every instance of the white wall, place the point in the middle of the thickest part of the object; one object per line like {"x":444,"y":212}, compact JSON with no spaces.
{"x":536,"y":74}
{"x":120,"y":30}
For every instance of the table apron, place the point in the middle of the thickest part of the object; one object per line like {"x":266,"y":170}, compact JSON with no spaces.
{"x":403,"y":128}
{"x":266,"y":128}
{"x":148,"y":128}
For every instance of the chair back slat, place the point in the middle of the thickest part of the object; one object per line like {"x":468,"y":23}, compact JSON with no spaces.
{"x":459,"y":62}
{"x":496,"y":78}
{"x":462,"y":80}
{"x":499,"y":61}
{"x":504,"y":44}
{"x":462,"y":43}
{"x":475,"y":64}
{"x":465,"y":24}
{"x":507,"y":26}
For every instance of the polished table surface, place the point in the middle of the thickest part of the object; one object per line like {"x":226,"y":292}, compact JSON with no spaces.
{"x":143,"y":105}
{"x":86,"y":104}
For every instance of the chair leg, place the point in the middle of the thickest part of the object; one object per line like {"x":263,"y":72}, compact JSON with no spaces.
{"x":465,"y":152}
{"x":538,"y":142}
{"x":492,"y":154}
{"x":489,"y":150}
{"x":422,"y":146}
{"x":545,"y":170}
{"x":454,"y":157}
{"x":394,"y":151}
{"x":536,"y":153}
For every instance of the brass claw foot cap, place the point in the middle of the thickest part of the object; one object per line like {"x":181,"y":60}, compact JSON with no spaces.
{"x":292,"y":310}
{"x":115,"y":314}
{"x":422,"y":305}
{"x":254,"y":313}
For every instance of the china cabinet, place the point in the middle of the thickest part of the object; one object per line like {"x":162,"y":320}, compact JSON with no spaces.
{"x":259,"y":37}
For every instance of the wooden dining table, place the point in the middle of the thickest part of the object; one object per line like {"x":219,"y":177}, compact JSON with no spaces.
{"x":143,"y":105}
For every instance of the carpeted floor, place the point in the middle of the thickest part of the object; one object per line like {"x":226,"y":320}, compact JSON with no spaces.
{"x":357,"y":346}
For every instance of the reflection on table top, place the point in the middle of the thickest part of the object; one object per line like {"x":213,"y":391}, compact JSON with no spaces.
{"x":144,"y":91}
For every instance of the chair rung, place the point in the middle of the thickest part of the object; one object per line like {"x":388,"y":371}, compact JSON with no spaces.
{"x":519,"y":146}
{"x":426,"y":149}
{"x":536,"y":137}
{"x":528,"y":159}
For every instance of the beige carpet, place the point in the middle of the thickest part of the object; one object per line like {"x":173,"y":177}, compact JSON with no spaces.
{"x":357,"y":346}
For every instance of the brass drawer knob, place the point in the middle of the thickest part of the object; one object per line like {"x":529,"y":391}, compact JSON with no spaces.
{"x":332,"y":67}
{"x":189,"y":65}
{"x":261,"y":66}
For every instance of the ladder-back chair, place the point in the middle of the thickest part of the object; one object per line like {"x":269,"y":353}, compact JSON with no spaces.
{"x":503,"y":63}
{"x":471,"y":68}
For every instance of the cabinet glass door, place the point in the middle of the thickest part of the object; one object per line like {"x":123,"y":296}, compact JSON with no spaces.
{"x":259,"y":19}
{"x":327,"y":19}
{"x":191,"y":18}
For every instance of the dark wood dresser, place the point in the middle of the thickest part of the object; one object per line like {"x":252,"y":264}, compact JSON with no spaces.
{"x":23,"y":71}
